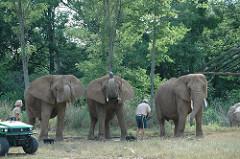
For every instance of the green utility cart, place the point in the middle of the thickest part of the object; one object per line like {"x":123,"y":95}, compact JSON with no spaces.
{"x":16,"y":133}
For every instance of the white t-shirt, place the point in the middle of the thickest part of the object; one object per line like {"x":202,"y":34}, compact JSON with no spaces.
{"x":16,"y":110}
{"x":143,"y":108}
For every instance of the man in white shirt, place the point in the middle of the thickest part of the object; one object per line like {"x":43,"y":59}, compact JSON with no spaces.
{"x":142,"y":111}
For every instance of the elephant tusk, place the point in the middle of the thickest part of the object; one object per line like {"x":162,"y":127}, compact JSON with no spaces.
{"x":192,"y":104}
{"x":237,"y":110}
{"x":205,"y":103}
{"x":119,"y":100}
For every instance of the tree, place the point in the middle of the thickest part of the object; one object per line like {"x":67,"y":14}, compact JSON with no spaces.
{"x":100,"y":18}
{"x":27,"y":11}
{"x":155,"y":16}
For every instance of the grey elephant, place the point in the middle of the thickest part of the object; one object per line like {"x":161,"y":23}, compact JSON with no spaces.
{"x":234,"y":115}
{"x":178,"y":97}
{"x":105,"y":97}
{"x":46,"y":97}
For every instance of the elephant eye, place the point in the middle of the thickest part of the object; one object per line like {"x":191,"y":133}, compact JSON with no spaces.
{"x":55,"y":89}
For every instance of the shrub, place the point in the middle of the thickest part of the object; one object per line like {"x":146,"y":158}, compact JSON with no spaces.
{"x":76,"y":116}
{"x":217,"y":112}
{"x":6,"y":109}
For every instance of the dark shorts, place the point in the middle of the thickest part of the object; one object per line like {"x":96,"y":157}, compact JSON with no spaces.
{"x":13,"y":118}
{"x":141,"y":121}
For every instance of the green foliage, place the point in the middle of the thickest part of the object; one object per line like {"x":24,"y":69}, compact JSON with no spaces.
{"x":188,"y":34}
{"x":23,"y":117}
{"x":6,"y":109}
{"x":12,"y":86}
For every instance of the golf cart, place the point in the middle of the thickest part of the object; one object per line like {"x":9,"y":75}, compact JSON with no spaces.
{"x":16,"y":133}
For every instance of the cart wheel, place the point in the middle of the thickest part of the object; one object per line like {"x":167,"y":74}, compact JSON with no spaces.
{"x":4,"y":146}
{"x":31,"y":146}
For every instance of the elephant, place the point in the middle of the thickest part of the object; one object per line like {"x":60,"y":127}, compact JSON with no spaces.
{"x":46,"y":97}
{"x":234,"y":115}
{"x":105,"y":97}
{"x":178,"y":97}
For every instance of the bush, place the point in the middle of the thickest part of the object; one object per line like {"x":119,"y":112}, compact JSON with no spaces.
{"x":216,"y":113}
{"x":6,"y":109}
{"x":76,"y":116}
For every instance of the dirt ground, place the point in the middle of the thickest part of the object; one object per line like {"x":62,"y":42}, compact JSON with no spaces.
{"x":215,"y":144}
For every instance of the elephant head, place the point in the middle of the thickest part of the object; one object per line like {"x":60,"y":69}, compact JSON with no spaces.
{"x":57,"y":88}
{"x":192,"y":88}
{"x":234,"y":115}
{"x":109,"y":87}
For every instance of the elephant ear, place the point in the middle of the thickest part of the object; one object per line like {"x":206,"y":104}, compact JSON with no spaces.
{"x":94,"y":89}
{"x":205,"y":84}
{"x":127,"y":91}
{"x":180,"y":88}
{"x":41,"y":89}
{"x":77,"y":88}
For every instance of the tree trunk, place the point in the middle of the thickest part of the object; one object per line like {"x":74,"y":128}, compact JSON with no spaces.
{"x":51,"y":38}
{"x":153,"y":64}
{"x":112,"y":32}
{"x":58,"y":60}
{"x":23,"y":44}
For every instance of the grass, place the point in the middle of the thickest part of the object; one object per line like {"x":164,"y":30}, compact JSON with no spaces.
{"x":217,"y":143}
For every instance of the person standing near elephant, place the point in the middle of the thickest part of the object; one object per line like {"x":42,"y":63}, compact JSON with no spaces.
{"x":142,"y":111}
{"x":16,"y":111}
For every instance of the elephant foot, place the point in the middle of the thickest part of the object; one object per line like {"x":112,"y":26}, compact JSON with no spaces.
{"x":200,"y":134}
{"x":59,"y":138}
{"x":108,"y":137}
{"x":101,"y":138}
{"x":91,"y":137}
{"x":40,"y":139}
{"x":179,"y":135}
{"x":162,"y":135}
{"x":123,"y":138}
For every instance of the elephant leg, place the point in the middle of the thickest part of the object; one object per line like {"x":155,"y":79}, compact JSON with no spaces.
{"x":46,"y":110}
{"x":101,"y":111}
{"x":198,"y":119}
{"x":60,"y":121}
{"x":183,"y":110}
{"x":182,"y":116}
{"x":181,"y":125}
{"x":176,"y":126}
{"x":162,"y":126}
{"x":121,"y":122}
{"x":31,"y":118}
{"x":107,"y":130}
{"x":92,"y":128}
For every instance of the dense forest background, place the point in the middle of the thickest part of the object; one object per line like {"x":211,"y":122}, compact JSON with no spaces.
{"x":145,"y":42}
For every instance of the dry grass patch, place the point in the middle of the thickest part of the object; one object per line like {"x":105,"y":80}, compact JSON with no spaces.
{"x":214,"y":145}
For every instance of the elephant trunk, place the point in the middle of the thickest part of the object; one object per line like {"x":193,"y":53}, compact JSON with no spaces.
{"x":66,"y":90}
{"x":196,"y":103}
{"x":112,"y":90}
{"x":67,"y":96}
